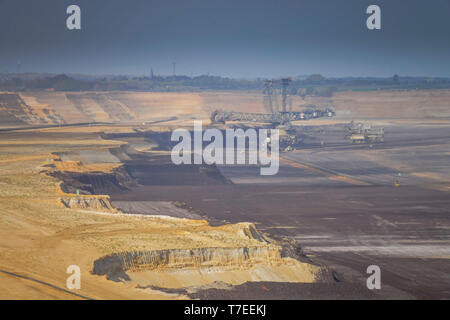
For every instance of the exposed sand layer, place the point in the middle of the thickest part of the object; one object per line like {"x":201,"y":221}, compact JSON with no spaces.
{"x":185,"y":268}
{"x":285,"y":271}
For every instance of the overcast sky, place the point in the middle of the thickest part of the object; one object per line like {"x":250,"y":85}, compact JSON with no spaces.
{"x":237,"y":38}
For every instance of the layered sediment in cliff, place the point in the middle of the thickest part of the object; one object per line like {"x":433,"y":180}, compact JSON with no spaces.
{"x":217,"y":263}
{"x":116,"y":264}
{"x":95,"y":203}
{"x":260,"y":259}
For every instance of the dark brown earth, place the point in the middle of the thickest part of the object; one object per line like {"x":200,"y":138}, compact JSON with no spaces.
{"x":404,"y":230}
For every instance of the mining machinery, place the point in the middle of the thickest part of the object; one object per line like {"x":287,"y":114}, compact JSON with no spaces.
{"x":364,"y":133}
{"x":274,"y":114}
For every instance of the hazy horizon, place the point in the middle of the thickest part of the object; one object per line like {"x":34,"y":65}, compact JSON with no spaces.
{"x":237,"y":39}
{"x":139,"y":75}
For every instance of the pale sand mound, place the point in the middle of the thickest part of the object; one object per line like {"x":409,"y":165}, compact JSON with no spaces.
{"x":288,"y":270}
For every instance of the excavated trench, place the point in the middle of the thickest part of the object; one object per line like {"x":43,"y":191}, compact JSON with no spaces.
{"x":137,"y":168}
{"x":94,"y":183}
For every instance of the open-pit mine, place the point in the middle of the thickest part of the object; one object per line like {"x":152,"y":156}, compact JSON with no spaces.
{"x":86,"y":179}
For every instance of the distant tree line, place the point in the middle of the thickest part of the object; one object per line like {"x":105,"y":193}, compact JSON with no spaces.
{"x":314,"y":85}
{"x":57,"y":83}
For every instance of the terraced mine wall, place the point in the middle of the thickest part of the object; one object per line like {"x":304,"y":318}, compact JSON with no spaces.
{"x":115,"y":266}
{"x":43,"y":107}
{"x":12,"y":109}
